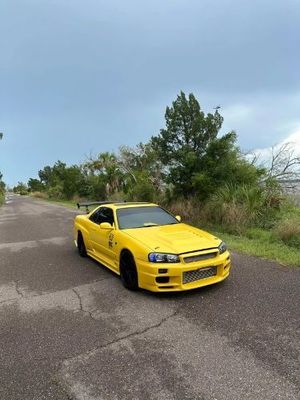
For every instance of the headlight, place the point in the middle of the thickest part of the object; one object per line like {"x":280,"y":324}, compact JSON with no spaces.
{"x":222,"y":247}
{"x":163,"y":258}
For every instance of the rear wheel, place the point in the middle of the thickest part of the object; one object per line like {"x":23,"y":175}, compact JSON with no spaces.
{"x":128,"y":272}
{"x":81,"y":246}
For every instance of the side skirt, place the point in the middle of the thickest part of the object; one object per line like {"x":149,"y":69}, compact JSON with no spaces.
{"x":93,"y":255}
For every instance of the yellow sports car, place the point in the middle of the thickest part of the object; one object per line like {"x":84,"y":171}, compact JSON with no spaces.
{"x":149,"y":247}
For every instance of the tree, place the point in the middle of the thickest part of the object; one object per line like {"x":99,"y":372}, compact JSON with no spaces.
{"x":283,"y":163}
{"x":141,"y":163}
{"x":106,"y":165}
{"x":2,"y":184}
{"x":21,"y":188}
{"x":45,"y":175}
{"x":61,"y":181}
{"x":35,"y":185}
{"x":71,"y":181}
{"x":196,"y":159}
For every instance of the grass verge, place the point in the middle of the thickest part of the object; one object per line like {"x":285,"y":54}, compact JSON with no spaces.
{"x":1,"y":200}
{"x":263,"y":245}
{"x":66,"y":203}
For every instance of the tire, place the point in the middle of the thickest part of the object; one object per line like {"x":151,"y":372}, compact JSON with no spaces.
{"x":81,"y":246}
{"x":128,"y":272}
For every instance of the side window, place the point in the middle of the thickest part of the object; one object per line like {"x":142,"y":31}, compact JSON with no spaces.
{"x":95,"y":216}
{"x":103,"y":214}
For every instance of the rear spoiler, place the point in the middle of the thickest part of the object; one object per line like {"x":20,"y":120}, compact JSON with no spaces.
{"x":92,"y":203}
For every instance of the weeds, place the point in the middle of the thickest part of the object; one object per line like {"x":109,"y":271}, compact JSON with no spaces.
{"x":40,"y":195}
{"x":288,"y":231}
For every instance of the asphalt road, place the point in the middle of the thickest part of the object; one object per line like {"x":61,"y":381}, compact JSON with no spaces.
{"x":69,"y":330}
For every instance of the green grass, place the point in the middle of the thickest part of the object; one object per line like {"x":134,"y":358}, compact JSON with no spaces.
{"x":262,"y":244}
{"x":66,"y":203}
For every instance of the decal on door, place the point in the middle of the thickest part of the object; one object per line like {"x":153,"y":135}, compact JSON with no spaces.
{"x":110,"y":240}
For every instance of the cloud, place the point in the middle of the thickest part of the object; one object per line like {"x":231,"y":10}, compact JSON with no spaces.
{"x":261,"y":120}
{"x":290,"y":145}
{"x":294,"y":139}
{"x":81,"y":76}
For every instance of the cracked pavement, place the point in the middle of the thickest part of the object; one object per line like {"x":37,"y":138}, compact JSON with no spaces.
{"x":69,"y":330}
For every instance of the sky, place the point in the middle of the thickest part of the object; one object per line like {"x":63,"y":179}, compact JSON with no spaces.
{"x":83,"y":77}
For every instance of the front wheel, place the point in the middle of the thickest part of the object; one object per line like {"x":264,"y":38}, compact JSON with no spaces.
{"x":81,"y":246}
{"x":128,"y":272}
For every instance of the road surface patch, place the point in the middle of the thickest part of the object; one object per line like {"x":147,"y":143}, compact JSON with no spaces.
{"x":18,"y":246}
{"x":174,"y":359}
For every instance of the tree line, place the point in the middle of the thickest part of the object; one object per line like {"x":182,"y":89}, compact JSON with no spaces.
{"x":187,"y":161}
{"x":186,"y":158}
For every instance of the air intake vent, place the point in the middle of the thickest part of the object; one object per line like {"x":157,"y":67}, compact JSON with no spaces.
{"x":196,"y":275}
{"x":200,"y":257}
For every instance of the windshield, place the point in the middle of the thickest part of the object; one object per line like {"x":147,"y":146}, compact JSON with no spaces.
{"x":142,"y":217}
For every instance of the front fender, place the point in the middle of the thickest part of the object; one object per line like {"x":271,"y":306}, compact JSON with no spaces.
{"x":80,"y":226}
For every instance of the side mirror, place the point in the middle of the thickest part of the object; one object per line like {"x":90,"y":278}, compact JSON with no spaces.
{"x":105,"y":225}
{"x":178,"y":217}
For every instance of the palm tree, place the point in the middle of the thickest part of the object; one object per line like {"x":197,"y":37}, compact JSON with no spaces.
{"x":107,"y":164}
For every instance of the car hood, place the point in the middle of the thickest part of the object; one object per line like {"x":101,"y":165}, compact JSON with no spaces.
{"x":177,"y":238}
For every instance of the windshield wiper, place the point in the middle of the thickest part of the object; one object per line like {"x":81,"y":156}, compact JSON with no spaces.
{"x":147,"y":224}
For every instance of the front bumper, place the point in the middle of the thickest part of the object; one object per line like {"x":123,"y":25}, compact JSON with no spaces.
{"x":173,"y":280}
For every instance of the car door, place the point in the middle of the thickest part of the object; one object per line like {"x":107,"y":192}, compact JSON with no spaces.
{"x":102,"y":239}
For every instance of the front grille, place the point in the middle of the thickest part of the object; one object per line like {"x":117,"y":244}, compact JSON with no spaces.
{"x":200,"y":257}
{"x":191,"y":276}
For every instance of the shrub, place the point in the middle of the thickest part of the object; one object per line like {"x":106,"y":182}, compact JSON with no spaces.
{"x":188,"y":209}
{"x":288,"y":231}
{"x":40,"y":195}
{"x":235,"y":207}
{"x":56,"y":192}
{"x":141,"y":191}
{"x":238,"y":207}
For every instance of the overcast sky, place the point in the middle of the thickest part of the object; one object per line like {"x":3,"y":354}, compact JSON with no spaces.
{"x":81,"y":77}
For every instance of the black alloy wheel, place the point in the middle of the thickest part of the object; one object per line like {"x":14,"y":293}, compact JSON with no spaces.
{"x":128,"y":272}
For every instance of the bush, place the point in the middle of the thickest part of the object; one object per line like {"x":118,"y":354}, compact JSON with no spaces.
{"x":288,"y":231}
{"x":188,"y":209}
{"x":141,"y":191}
{"x":56,"y":192}
{"x":237,"y":208}
{"x":40,"y":195}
